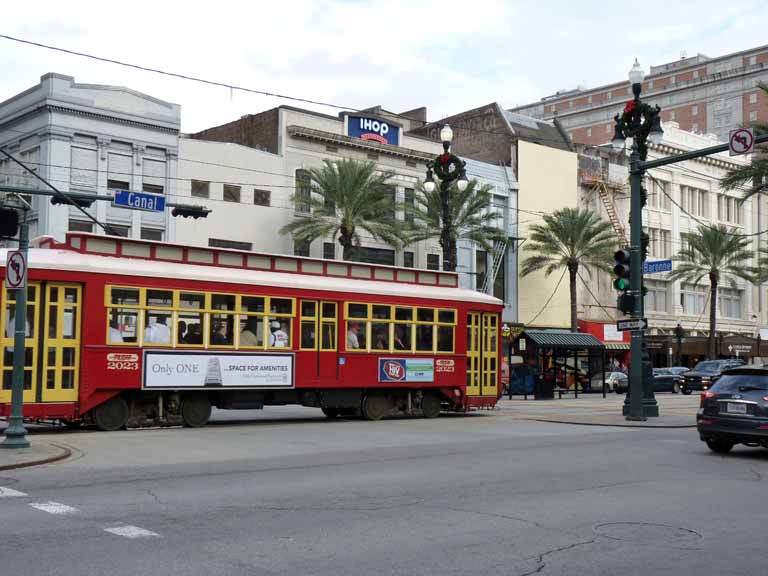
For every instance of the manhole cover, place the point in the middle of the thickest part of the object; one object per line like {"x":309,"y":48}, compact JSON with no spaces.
{"x":646,"y":532}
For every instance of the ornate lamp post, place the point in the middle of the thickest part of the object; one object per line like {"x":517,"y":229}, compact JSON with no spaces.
{"x":679,"y":332}
{"x":449,"y":168}
{"x":642,"y":123}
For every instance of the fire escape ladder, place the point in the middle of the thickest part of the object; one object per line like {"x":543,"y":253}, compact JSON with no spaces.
{"x":610,"y":208}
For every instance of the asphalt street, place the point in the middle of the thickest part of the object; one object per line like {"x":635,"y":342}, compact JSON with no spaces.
{"x":292,"y":493}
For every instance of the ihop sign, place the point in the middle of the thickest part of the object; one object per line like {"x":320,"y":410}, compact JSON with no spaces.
{"x":373,"y":129}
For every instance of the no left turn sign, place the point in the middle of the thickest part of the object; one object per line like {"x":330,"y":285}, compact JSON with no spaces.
{"x":16,"y":271}
{"x":741,"y":141}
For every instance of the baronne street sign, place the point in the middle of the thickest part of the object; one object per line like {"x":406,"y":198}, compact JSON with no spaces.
{"x":139,"y":201}
{"x":657,"y":266}
{"x":634,"y":324}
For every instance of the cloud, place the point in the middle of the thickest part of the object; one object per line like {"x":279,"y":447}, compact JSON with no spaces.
{"x":447,"y":55}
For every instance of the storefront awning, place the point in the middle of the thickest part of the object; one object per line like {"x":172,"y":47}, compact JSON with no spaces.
{"x":616,"y":346}
{"x":563,"y":340}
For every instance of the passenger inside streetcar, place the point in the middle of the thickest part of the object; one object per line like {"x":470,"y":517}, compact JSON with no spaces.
{"x":249,"y":335}
{"x":157,"y":332}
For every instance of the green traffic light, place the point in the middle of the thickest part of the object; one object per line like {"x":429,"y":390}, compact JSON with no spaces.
{"x":621,"y":284}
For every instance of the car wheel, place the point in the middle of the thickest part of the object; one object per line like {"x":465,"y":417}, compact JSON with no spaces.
{"x":719,"y":446}
{"x":687,"y":391}
{"x":676,"y":388}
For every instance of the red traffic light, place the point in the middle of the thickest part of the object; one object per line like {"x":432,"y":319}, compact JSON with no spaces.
{"x":622,"y":260}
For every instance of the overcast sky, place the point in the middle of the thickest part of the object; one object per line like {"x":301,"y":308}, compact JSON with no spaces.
{"x":446,"y":55}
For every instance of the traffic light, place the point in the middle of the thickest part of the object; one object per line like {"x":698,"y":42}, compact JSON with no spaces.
{"x":72,"y":201}
{"x":191,"y":211}
{"x":626,"y":303}
{"x":9,"y":222}
{"x":621,"y":268}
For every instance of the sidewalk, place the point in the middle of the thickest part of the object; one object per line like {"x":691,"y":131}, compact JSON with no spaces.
{"x":675,"y":411}
{"x":40,"y":452}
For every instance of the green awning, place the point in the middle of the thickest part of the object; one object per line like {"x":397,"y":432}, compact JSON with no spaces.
{"x":616,"y":346}
{"x":559,"y":339}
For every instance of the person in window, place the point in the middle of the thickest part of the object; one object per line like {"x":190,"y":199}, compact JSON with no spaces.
{"x":352,"y":341}
{"x":194,"y":334}
{"x":219,"y":336}
{"x":380,"y":342}
{"x":278,"y":338}
{"x":182,"y":334}
{"x":158,"y":332}
{"x":400,"y":338}
{"x":248,"y":335}
{"x":115,"y":336}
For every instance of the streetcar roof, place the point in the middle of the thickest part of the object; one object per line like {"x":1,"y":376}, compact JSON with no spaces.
{"x":73,"y":261}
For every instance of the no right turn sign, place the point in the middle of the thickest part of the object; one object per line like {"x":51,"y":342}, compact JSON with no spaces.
{"x":16,"y":271}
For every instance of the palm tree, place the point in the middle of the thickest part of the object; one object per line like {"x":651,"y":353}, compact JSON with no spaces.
{"x":347,"y":196}
{"x":470,"y":217}
{"x":570,"y":238}
{"x":752,"y":178}
{"x":718,"y":253}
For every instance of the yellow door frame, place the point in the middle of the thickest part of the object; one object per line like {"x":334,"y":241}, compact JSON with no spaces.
{"x":61,"y":349}
{"x":30,"y":343}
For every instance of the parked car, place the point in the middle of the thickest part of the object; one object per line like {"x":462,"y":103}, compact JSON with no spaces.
{"x":619,"y":382}
{"x":596,"y":384}
{"x":664,"y":380}
{"x":705,"y":374}
{"x":678,"y":370}
{"x":735,"y":410}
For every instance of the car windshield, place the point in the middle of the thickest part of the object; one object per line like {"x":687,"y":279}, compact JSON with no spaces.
{"x":709,"y":366}
{"x":736,"y":382}
{"x":660,"y":371}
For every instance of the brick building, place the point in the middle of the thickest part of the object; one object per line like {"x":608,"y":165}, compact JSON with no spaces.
{"x":701,"y":94}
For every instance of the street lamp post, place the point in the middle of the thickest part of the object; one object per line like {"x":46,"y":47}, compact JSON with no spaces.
{"x":679,"y":336}
{"x":642,"y":123}
{"x":449,"y":168}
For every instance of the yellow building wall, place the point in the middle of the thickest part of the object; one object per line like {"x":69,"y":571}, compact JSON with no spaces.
{"x":548,"y":180}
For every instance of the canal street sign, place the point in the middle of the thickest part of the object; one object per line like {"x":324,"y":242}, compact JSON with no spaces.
{"x":139,"y":201}
{"x":639,"y":324}
{"x":657,"y":266}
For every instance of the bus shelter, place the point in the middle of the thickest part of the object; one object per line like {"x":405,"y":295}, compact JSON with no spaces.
{"x":562,"y":362}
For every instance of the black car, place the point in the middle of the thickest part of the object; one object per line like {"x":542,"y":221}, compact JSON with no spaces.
{"x":664,"y":380}
{"x":706,"y":373}
{"x":735,"y":410}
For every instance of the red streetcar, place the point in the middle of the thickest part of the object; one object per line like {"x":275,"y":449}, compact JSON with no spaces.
{"x":127,"y":333}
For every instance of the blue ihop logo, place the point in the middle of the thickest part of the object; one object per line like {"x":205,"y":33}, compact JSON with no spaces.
{"x":373,"y":129}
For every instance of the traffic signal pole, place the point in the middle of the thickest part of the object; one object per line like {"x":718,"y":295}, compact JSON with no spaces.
{"x":16,"y":433}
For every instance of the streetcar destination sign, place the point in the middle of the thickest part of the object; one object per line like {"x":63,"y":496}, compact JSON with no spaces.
{"x":634,"y":324}
{"x":139,"y":201}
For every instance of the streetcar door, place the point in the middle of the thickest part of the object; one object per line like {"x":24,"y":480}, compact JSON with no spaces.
{"x":61,"y":342}
{"x":490,"y":355}
{"x":319,"y":337}
{"x":7,"y":321}
{"x":482,"y":354}
{"x":474,"y":346}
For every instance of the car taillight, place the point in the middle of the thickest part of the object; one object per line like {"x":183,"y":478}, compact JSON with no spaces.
{"x":765,"y":398}
{"x":706,"y":395}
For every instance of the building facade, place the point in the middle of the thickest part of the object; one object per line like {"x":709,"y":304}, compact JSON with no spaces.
{"x":91,"y":138}
{"x":251,"y":169}
{"x":700,"y":94}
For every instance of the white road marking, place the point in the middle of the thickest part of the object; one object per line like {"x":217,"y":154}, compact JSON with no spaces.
{"x":10,"y":493}
{"x":131,"y":532}
{"x":54,"y":508}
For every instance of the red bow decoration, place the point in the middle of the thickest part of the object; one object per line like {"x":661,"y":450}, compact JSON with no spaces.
{"x":630,"y":106}
{"x":444,"y":158}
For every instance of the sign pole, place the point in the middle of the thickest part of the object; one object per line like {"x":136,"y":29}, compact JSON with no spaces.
{"x":15,"y":433}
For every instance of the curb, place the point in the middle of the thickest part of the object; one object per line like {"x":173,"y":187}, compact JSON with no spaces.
{"x":662,"y":427}
{"x":65,"y":453}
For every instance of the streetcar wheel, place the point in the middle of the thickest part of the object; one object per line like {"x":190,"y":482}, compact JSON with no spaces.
{"x":112,"y":415}
{"x":375,"y":406}
{"x":195,"y":411}
{"x":430,"y":405}
{"x":330,"y":412}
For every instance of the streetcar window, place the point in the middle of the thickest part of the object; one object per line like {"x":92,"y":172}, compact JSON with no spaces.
{"x":402,"y":339}
{"x":446,"y":317}
{"x":308,"y":340}
{"x":123,"y":325}
{"x":356,"y":335}
{"x":125,"y":296}
{"x":222,"y":329}
{"x":252,"y":332}
{"x":252,"y":304}
{"x":357,"y":310}
{"x":424,"y":339}
{"x":189,"y":329}
{"x":279,"y":332}
{"x":308,"y":309}
{"x":329,"y":336}
{"x":445,"y":338}
{"x":383,"y":312}
{"x":281,"y":306}
{"x":329,"y":310}
{"x":425,"y":315}
{"x":160,"y":298}
{"x":402,"y":313}
{"x":157,"y":329}
{"x":190,"y":300}
{"x":223,"y":301}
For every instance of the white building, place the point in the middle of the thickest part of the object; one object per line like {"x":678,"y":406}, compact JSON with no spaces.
{"x":247,"y":171}
{"x":679,"y":197}
{"x":91,"y":138}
